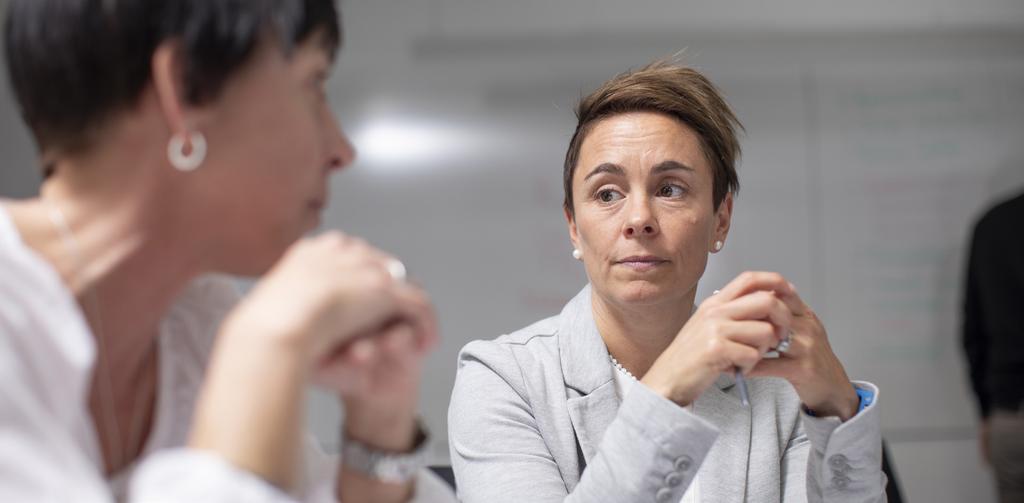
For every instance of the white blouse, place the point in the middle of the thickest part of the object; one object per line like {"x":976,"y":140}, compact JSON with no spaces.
{"x":49,"y":450}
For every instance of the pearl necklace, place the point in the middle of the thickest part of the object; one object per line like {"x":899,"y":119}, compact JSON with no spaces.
{"x":621,"y":368}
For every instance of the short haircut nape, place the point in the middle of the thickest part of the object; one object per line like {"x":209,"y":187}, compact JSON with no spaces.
{"x":73,"y":64}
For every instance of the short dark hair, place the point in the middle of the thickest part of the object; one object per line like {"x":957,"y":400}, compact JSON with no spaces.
{"x":678,"y":92}
{"x":74,"y":63}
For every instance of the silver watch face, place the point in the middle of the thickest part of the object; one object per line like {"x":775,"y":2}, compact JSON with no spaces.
{"x":386,"y":466}
{"x":398,"y":469}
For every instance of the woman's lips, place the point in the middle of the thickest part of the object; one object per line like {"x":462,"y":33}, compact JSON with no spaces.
{"x":642,"y":263}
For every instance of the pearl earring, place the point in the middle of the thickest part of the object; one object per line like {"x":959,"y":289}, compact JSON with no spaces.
{"x":577,"y":254}
{"x":718,"y":246}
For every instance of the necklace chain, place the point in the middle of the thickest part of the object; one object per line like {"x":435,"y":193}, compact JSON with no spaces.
{"x":71,"y":245}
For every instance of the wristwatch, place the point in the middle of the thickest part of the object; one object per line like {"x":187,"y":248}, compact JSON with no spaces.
{"x":386,"y":466}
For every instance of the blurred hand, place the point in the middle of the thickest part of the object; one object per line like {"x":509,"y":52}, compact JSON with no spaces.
{"x":729,"y":330}
{"x":327,"y":291}
{"x":378,"y":377}
{"x":329,"y":310}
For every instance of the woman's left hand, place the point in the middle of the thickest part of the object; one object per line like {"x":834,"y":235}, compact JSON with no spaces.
{"x":810,"y":365}
{"x":378,"y":377}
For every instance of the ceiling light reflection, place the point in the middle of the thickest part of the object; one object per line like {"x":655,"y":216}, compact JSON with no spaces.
{"x":409,"y":144}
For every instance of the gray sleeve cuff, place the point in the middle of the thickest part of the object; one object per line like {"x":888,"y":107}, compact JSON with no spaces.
{"x":670,"y":426}
{"x":656,"y":443}
{"x":845,"y":463}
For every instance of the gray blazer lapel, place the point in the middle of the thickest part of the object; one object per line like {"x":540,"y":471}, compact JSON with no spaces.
{"x":593,"y":404}
{"x":587,"y":372}
{"x":591,"y":415}
{"x":724,"y":471}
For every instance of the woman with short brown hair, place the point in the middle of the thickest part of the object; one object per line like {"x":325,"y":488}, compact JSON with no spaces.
{"x":182,"y":139}
{"x":629,"y":394}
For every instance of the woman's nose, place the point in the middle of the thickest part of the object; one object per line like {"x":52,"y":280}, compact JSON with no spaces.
{"x":640,"y":221}
{"x":342,"y":153}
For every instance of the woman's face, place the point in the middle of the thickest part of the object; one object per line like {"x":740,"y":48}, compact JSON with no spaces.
{"x":644,"y":212}
{"x":273,"y":141}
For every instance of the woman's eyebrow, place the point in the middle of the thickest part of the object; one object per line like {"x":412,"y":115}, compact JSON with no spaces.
{"x":670,"y":165}
{"x":606,"y":167}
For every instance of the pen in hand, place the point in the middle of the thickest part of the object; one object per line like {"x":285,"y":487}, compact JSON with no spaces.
{"x":741,"y":383}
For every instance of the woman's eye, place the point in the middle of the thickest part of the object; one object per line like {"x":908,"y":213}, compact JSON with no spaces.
{"x":671,"y":190}
{"x":608,"y":195}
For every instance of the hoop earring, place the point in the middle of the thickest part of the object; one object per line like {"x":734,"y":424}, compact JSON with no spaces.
{"x":192,"y":160}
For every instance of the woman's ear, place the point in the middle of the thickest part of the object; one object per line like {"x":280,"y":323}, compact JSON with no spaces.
{"x":574,"y":236}
{"x":723,"y":219}
{"x":168,"y":73}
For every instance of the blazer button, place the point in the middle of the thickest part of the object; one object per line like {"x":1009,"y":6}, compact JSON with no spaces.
{"x":664,"y":495}
{"x":837,"y":461}
{"x":840,"y":482}
{"x":683,"y":463}
{"x":673,"y":479}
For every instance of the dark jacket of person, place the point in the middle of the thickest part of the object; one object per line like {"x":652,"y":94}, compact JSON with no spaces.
{"x":993,"y":331}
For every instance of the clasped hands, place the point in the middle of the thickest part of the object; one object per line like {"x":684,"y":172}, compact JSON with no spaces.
{"x":736,"y":328}
{"x":363,"y":331}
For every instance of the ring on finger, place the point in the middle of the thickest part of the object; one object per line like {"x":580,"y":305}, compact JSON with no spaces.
{"x":784,"y":344}
{"x":396,"y":269}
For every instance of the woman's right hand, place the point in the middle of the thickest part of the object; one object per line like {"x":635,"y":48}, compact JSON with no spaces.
{"x":730,"y":330}
{"x":328,"y":289}
{"x":324,"y":293}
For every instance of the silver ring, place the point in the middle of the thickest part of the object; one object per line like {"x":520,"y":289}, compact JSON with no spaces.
{"x":784,"y":344}
{"x":396,"y":269}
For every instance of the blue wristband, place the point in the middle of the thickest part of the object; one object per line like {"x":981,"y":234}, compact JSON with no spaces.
{"x":867,"y":397}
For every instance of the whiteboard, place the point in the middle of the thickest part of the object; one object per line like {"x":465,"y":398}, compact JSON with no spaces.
{"x":860,"y":178}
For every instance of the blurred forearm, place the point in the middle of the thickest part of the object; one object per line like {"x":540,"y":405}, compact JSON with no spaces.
{"x":250,"y":408}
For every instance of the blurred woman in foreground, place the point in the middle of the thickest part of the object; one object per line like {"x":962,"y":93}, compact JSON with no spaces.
{"x":182,"y":138}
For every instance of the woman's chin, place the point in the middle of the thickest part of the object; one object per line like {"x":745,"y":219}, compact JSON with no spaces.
{"x":639,"y":293}
{"x":642,"y":292}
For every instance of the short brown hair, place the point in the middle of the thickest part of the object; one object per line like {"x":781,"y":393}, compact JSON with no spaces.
{"x":674,"y":90}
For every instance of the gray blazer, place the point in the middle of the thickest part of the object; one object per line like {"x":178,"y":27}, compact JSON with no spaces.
{"x":535,"y":417}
